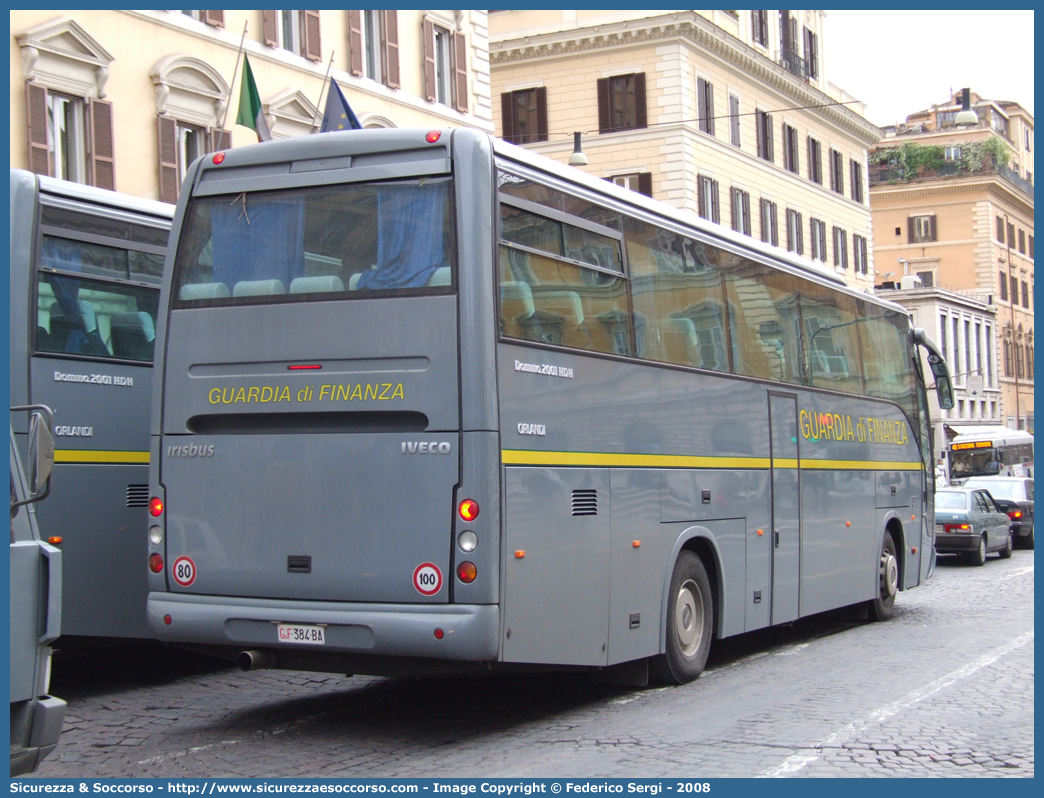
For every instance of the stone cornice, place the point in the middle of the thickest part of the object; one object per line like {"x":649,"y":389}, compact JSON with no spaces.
{"x":694,"y":30}
{"x":988,"y":182}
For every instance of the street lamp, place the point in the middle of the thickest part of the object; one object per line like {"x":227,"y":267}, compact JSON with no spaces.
{"x":967,"y":116}
{"x":577,"y":157}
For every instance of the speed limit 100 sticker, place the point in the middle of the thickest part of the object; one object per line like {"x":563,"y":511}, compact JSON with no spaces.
{"x":427,"y":578}
{"x":184,"y":571}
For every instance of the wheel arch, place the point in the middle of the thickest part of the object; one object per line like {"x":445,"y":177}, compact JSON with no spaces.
{"x":894,"y":526}
{"x":701,"y":542}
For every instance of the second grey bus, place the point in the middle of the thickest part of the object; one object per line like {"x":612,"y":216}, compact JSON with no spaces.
{"x":429,"y":401}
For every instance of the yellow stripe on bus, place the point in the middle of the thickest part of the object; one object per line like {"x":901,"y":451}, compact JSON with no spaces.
{"x":99,"y":456}
{"x":531,"y":457}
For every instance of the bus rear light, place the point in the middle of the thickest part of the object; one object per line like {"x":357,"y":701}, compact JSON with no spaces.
{"x":956,"y":527}
{"x":168,"y":620}
{"x":155,"y":507}
{"x":155,"y":563}
{"x":304,"y":366}
{"x":439,"y":634}
{"x":218,"y":158}
{"x":155,"y":535}
{"x":433,"y":136}
{"x":468,"y":510}
{"x":467,"y":540}
{"x":466,"y":572}
{"x":54,"y":541}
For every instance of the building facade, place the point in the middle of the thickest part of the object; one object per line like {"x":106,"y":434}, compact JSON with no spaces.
{"x":727,"y":114}
{"x":953,"y":206}
{"x":127,"y":99}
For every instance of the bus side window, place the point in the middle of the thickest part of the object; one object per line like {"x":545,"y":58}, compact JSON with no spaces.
{"x":763,"y":321}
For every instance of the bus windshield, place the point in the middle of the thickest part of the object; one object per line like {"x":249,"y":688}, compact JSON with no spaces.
{"x":320,"y":242}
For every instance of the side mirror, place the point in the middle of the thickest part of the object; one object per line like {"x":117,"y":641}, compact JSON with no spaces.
{"x":943,"y":383}
{"x":40,"y":455}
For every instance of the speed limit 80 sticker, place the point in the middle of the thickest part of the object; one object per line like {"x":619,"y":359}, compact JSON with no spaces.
{"x":184,"y":571}
{"x":427,"y":578}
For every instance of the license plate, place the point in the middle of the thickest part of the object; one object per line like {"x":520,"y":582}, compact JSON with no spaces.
{"x":293,"y":633}
{"x":939,"y":529}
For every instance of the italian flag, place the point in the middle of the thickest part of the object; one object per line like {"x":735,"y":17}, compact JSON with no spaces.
{"x":250,"y":113}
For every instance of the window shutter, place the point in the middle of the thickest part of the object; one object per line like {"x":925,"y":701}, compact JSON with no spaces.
{"x":746,"y":213}
{"x":391,"y":49}
{"x":36,"y":127}
{"x":508,"y":118}
{"x":460,"y":72}
{"x":312,"y":47}
{"x":645,"y":183}
{"x":911,"y":229}
{"x":168,"y":159}
{"x":701,"y":103}
{"x":541,"y":97}
{"x":219,"y":140}
{"x":639,"y":100}
{"x":833,"y":171}
{"x":931,"y":229}
{"x":710,"y":108}
{"x":102,"y":157}
{"x":428,"y":31}
{"x":270,"y":27}
{"x":605,"y":123}
{"x":214,"y":18}
{"x":770,"y":148}
{"x":701,"y":202}
{"x":355,"y":43}
{"x":715,"y":212}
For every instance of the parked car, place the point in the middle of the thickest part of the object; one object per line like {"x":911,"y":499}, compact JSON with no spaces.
{"x":969,"y":523}
{"x":1014,"y":489}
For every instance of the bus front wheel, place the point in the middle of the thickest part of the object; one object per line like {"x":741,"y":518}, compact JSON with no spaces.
{"x":690,"y":623}
{"x":882,"y":607}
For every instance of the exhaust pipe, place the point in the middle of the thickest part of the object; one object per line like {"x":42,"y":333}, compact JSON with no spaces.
{"x":255,"y":660}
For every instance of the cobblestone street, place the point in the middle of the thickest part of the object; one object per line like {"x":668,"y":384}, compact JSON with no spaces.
{"x":943,"y":689}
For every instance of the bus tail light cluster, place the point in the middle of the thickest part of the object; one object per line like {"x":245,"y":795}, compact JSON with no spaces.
{"x":466,"y":572}
{"x":956,"y":527}
{"x":156,"y":562}
{"x":155,"y":506}
{"x":468,"y":510}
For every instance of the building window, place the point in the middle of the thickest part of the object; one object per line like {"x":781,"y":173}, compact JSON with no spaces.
{"x":1022,"y":241}
{"x":840,"y":248}
{"x":638,"y":181}
{"x":942,"y":338}
{"x":734,"y":120}
{"x":621,"y":103}
{"x":1004,"y":287}
{"x":705,"y":105}
{"x":790,"y":148}
{"x":1014,"y":290}
{"x":294,"y":31}
{"x":952,"y":153}
{"x":180,"y":143}
{"x":1000,"y":229}
{"x":66,"y":127}
{"x":989,"y":358}
{"x":1011,"y":235}
{"x":524,"y":115}
{"x":922,"y":229}
{"x":859,"y":257}
{"x":764,"y":132}
{"x":857,"y":181}
{"x":769,"y":223}
{"x":1029,"y":141}
{"x":815,"y":161}
{"x":741,"y":211}
{"x":812,"y":53}
{"x":759,"y":27}
{"x":795,"y":237}
{"x":837,"y":172}
{"x":708,"y":199}
{"x":445,"y":67}
{"x":817,"y":231}
{"x":927,"y":278}
{"x":1031,"y":245}
{"x":999,"y":123}
{"x":1025,"y":294}
{"x":373,"y":44}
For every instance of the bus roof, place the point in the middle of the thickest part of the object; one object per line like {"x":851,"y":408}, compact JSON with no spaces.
{"x":101,"y":196}
{"x":805,"y":266}
{"x":993,"y":432}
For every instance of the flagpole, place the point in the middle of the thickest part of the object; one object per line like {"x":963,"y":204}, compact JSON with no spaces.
{"x":319,"y":104}
{"x":231,"y":89}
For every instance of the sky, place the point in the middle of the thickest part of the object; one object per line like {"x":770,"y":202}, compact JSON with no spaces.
{"x":898,"y":62}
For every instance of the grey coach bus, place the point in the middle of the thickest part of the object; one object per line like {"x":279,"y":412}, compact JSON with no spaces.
{"x":85,"y":272}
{"x":427,"y":400}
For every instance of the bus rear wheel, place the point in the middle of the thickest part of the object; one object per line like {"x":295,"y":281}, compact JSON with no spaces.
{"x":882,"y":607}
{"x":690,"y":624}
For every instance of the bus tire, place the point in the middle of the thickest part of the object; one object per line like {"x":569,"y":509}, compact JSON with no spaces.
{"x":690,"y":623}
{"x":883,"y":606}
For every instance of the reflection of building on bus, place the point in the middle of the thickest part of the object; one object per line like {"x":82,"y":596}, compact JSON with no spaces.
{"x":990,"y":451}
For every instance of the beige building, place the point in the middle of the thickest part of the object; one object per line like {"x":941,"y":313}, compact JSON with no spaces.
{"x":127,"y":99}
{"x":727,"y":114}
{"x":953,"y":206}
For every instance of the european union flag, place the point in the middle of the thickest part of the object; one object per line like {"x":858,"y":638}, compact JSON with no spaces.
{"x":338,"y":114}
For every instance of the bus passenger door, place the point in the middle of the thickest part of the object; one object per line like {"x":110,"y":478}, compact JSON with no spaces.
{"x":786,"y":526}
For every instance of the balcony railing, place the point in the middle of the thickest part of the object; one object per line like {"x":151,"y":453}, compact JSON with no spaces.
{"x":792,"y":61}
{"x":880,"y":174}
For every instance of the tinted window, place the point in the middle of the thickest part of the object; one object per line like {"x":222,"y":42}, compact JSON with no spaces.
{"x":88,"y":317}
{"x":320,"y":242}
{"x":66,"y":254}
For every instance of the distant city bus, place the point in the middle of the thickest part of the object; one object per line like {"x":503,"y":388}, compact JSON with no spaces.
{"x":429,"y":401}
{"x":86,"y":266}
{"x":36,"y":601}
{"x":991,"y":451}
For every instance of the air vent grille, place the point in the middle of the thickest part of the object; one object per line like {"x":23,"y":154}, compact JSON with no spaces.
{"x":137,"y":495}
{"x":585,"y":502}
{"x":298,"y":564}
